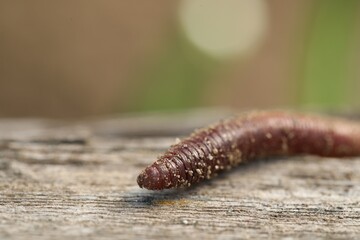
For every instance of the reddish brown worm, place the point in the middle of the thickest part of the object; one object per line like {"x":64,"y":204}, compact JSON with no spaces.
{"x":252,"y":135}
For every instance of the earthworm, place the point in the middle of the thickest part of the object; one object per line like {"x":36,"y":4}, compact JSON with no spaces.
{"x":257,"y":134}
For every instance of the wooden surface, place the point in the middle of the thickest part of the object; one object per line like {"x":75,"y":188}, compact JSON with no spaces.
{"x":78,"y":180}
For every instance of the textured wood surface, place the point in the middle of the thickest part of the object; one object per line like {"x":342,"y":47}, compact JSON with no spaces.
{"x":76,"y":180}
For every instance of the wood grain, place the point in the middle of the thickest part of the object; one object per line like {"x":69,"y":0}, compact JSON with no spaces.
{"x":76,"y":180}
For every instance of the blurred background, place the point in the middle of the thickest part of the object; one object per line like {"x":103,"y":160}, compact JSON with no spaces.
{"x":70,"y":59}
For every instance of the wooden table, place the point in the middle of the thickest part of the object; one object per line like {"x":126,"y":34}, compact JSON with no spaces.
{"x":72,"y":180}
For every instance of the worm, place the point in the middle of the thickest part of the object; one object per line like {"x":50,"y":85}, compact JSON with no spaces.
{"x":257,"y":134}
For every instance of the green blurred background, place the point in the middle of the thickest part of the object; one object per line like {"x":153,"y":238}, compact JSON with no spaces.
{"x":78,"y":58}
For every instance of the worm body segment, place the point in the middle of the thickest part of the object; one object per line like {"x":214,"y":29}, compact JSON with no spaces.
{"x":252,"y":135}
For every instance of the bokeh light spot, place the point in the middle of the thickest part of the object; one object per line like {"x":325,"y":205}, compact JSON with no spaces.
{"x":224,"y":28}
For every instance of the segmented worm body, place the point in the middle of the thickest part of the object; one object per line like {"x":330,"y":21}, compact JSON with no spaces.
{"x":252,"y":135}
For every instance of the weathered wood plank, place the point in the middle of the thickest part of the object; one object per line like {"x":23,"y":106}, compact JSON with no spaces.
{"x":79,"y":180}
